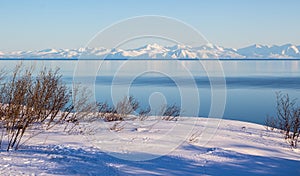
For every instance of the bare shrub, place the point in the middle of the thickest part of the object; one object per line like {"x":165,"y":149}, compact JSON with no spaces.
{"x":107,"y":112}
{"x":144,"y":114}
{"x":170,"y":112}
{"x":194,"y":137}
{"x":117,"y":126}
{"x":38,"y":103}
{"x":125,"y":107}
{"x":285,"y":108}
{"x":110,"y":117}
{"x":2,"y":75}
{"x":81,"y":108}
{"x":271,"y":123}
{"x":287,"y":119}
{"x":295,"y":128}
{"x":104,"y":107}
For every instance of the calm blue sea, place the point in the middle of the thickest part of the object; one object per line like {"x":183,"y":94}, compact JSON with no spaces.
{"x":249,"y":86}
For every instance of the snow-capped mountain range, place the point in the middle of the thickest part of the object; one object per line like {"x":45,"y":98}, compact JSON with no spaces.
{"x":155,"y":51}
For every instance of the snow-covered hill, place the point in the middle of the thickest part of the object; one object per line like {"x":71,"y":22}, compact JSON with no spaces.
{"x":155,"y":51}
{"x":265,"y":51}
{"x":237,"y":148}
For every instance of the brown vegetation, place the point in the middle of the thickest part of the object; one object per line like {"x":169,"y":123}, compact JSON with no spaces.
{"x":287,"y":119}
{"x":38,"y":102}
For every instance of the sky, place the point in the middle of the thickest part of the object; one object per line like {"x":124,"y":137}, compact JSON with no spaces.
{"x":40,"y":24}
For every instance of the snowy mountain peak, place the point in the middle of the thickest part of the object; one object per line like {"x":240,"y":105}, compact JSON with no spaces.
{"x":179,"y":47}
{"x":257,"y":46}
{"x":212,"y":46}
{"x":156,"y":51}
{"x":153,"y":46}
{"x":294,"y":49}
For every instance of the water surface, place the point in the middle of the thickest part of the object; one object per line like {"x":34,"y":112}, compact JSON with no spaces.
{"x":250,"y":85}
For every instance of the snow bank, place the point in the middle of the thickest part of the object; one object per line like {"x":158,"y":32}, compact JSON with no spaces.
{"x":236,"y":148}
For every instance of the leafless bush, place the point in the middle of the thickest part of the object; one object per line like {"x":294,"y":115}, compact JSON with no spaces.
{"x":117,"y":126}
{"x":170,"y":112}
{"x":81,"y":107}
{"x":295,"y":128}
{"x":194,"y":137}
{"x":2,"y":74}
{"x":285,"y":108}
{"x":271,"y":123}
{"x":110,"y":117}
{"x":38,"y":103}
{"x":104,"y":107}
{"x":125,"y":107}
{"x":144,"y":114}
{"x":287,"y":119}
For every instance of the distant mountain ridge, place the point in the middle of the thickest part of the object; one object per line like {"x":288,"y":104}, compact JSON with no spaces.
{"x":155,"y":51}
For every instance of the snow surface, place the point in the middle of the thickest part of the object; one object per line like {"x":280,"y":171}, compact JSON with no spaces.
{"x":236,"y":148}
{"x":156,"y":51}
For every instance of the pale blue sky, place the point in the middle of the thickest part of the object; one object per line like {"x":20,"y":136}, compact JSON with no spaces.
{"x":38,"y":24}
